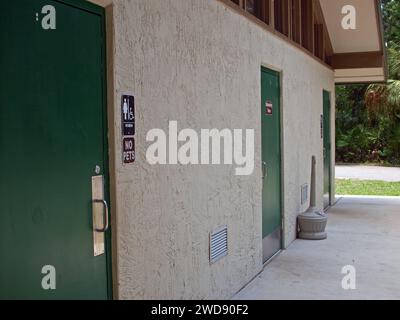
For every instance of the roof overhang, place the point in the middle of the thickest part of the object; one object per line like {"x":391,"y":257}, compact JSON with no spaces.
{"x":359,"y":55}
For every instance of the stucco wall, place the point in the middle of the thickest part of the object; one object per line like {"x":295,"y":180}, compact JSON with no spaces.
{"x":198,"y":62}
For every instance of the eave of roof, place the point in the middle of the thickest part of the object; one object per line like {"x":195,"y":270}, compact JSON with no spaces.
{"x":357,"y":61}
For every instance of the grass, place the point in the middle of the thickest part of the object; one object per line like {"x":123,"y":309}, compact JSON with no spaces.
{"x":367,"y":187}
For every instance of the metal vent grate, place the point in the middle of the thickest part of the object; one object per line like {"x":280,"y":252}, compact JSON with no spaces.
{"x":304,"y":193}
{"x":218,"y":244}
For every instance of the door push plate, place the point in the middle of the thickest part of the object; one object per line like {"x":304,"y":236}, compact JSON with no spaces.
{"x":98,"y":212}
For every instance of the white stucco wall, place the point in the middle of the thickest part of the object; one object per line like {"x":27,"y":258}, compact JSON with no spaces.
{"x":199,"y":62}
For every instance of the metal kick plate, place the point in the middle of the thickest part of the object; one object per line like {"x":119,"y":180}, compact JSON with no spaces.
{"x":98,"y":212}
{"x":272,"y":244}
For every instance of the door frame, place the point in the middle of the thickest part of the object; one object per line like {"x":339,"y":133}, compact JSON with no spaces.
{"x":100,"y":11}
{"x":329,"y":120}
{"x":270,"y":68}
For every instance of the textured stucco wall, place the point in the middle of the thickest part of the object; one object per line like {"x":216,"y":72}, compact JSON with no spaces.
{"x":198,"y":62}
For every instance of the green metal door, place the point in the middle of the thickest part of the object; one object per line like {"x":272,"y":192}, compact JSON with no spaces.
{"x":52,"y":141}
{"x":327,"y":148}
{"x":271,"y":162}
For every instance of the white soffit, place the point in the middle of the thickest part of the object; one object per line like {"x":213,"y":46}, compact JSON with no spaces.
{"x":366,"y":36}
{"x":365,"y":75}
{"x":353,"y":80}
{"x":364,"y":72}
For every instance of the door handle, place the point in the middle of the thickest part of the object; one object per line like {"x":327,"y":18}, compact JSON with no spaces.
{"x":105,"y":215}
{"x":264,"y":170}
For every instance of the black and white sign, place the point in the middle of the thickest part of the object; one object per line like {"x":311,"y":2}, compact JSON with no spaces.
{"x":128,"y":148}
{"x":128,"y":115}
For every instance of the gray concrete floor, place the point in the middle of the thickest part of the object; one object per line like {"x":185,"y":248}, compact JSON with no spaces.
{"x":363,"y":232}
{"x":367,"y":173}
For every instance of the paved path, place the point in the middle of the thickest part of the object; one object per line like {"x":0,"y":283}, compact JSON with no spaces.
{"x":363,"y":232}
{"x":367,"y":173}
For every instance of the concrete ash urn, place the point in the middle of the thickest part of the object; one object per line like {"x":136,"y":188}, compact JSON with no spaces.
{"x":312,"y":223}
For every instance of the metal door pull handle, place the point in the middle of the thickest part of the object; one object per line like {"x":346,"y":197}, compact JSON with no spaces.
{"x":264,"y":170}
{"x":105,"y":215}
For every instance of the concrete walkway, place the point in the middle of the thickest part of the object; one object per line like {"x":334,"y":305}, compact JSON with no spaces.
{"x":363,"y":232}
{"x":367,"y":173}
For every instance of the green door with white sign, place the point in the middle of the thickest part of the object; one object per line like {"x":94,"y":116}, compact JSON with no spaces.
{"x":327,"y":148}
{"x":271,"y":162}
{"x":53,"y":161}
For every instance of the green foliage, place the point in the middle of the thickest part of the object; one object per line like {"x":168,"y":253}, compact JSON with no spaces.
{"x":360,"y":139}
{"x":385,"y":98}
{"x":354,"y":139}
{"x":391,"y":18}
{"x":367,"y":188}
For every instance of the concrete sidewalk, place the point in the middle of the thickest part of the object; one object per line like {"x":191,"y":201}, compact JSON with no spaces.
{"x":360,"y":172}
{"x":363,"y":232}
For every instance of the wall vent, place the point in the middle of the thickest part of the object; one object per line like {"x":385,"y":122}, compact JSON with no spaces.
{"x":304,"y":193}
{"x":218,"y":244}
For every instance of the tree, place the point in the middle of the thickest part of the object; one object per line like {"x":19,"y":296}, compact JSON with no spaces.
{"x":384,"y":98}
{"x":383,"y":106}
{"x":391,"y":18}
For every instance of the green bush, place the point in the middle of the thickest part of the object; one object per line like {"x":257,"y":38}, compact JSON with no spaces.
{"x":360,"y":138}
